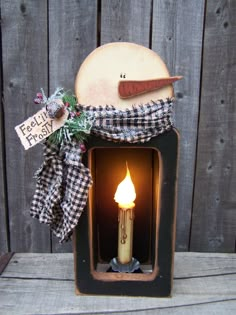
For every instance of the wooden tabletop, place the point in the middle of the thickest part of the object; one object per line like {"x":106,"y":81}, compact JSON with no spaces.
{"x":44,"y":284}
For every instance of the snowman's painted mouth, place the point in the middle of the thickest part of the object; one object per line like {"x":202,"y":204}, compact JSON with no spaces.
{"x":131,"y":88}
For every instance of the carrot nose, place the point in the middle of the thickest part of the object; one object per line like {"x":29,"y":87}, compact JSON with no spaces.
{"x":133,"y":88}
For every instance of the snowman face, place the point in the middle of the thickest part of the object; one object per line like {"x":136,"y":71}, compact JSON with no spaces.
{"x":102,"y":72}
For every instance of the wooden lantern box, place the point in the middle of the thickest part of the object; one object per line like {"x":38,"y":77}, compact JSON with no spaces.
{"x":153,"y":166}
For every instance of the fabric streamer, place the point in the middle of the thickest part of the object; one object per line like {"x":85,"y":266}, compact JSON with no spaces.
{"x":63,"y":181}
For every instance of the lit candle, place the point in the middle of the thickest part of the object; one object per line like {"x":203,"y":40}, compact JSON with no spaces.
{"x":125,"y":196}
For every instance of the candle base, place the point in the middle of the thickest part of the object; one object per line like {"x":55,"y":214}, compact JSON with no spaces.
{"x":132,"y":266}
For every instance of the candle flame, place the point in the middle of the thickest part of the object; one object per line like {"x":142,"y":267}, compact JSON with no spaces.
{"x":125,"y":192}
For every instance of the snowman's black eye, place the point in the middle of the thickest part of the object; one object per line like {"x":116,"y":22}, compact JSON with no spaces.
{"x":123,"y":75}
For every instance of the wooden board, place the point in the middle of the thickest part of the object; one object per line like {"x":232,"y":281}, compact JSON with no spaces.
{"x":3,"y":204}
{"x":203,"y":283}
{"x":40,"y":265}
{"x":24,"y":50}
{"x":214,"y":215}
{"x":4,"y":260}
{"x":177,"y":37}
{"x":72,"y":36}
{"x":123,"y":20}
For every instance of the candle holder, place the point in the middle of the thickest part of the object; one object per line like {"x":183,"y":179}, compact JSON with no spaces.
{"x":132,"y":266}
{"x":149,"y":272}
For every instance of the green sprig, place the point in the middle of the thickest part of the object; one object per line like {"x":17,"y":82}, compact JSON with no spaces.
{"x":70,"y":99}
{"x":77,"y":126}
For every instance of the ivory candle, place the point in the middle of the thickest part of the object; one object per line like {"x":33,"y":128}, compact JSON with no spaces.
{"x":125,"y":196}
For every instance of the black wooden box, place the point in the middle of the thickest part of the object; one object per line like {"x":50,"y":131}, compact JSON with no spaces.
{"x":153,"y":166}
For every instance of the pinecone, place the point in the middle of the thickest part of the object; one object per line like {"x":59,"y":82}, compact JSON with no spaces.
{"x":55,"y":109}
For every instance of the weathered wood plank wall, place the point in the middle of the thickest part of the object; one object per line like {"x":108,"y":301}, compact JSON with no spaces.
{"x":3,"y":205}
{"x":25,"y":68}
{"x":214,"y":208}
{"x":182,"y":49}
{"x":44,"y":45}
{"x":72,"y":36}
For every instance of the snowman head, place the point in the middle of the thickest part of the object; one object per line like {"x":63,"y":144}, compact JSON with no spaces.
{"x":123,"y":74}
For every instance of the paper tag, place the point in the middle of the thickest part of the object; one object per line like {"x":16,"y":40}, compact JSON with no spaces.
{"x":38,"y":127}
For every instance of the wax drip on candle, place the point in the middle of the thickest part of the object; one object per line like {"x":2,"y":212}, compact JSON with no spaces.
{"x":124,"y":215}
{"x":122,"y":218}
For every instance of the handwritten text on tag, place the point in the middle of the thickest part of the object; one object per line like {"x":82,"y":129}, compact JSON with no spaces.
{"x":38,"y":127}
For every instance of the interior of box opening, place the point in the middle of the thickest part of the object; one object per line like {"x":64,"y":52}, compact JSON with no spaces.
{"x":108,"y":169}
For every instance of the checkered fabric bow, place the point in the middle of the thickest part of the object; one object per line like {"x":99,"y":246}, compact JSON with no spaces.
{"x":63,"y":181}
{"x":61,"y":190}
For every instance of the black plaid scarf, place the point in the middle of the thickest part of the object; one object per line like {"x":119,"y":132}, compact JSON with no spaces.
{"x":63,"y":181}
{"x":139,"y":124}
